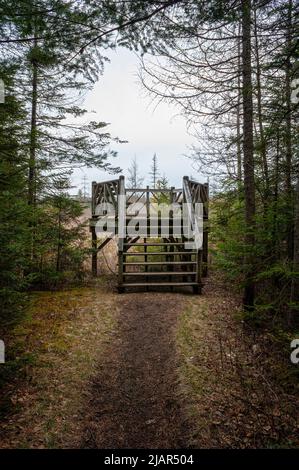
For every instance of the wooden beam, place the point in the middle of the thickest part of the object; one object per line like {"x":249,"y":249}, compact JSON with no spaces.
{"x":94,"y":256}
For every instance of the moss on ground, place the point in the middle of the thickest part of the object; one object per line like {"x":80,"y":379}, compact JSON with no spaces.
{"x":52,"y":355}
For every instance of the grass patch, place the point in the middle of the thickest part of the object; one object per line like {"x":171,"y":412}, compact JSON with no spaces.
{"x":226,"y":378}
{"x":52,"y":355}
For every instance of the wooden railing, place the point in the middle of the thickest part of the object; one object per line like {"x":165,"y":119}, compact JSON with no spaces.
{"x":106,"y":191}
{"x":115,"y":193}
{"x":190,"y":201}
{"x":121,"y":212}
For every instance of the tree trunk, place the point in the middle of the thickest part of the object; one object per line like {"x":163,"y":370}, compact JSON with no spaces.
{"x":294,"y":312}
{"x":263,"y":150}
{"x":33,"y":137}
{"x":32,"y":159}
{"x":275,"y":238}
{"x":288,"y":137}
{"x":239,"y":151}
{"x":248,"y":160}
{"x":58,"y":253}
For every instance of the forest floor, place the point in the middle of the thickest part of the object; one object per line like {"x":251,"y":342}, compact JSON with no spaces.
{"x":97,"y":369}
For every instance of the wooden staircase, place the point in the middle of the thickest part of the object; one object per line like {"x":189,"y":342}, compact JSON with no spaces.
{"x":164,"y":263}
{"x":157,"y":253}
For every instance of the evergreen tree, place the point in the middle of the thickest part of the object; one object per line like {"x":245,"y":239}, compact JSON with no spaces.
{"x":61,"y":245}
{"x":50,"y":81}
{"x":13,"y":208}
{"x":154,"y":173}
{"x":134,"y":179}
{"x":163,"y":184}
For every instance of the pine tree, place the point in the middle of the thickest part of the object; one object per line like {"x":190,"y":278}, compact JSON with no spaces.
{"x":50,"y":80}
{"x":154,"y":173}
{"x":134,"y":179}
{"x":13,"y":208}
{"x":163,"y":184}
{"x":61,"y":241}
{"x":248,"y":163}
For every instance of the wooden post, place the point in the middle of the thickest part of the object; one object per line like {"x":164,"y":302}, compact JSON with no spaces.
{"x":205,"y":231}
{"x":121,"y":220}
{"x":94,"y":256}
{"x":120,"y":271}
{"x":93,"y":198}
{"x":148,"y":228}
{"x":197,"y":288}
{"x":145,"y":259}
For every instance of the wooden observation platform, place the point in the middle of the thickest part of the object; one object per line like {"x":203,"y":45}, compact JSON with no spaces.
{"x":155,"y":245}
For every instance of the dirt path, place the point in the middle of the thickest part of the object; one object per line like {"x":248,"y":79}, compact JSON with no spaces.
{"x":144,"y":370}
{"x":134,"y":402}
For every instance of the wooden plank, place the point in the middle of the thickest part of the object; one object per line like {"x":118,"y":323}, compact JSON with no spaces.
{"x":152,"y":190}
{"x":133,"y":242}
{"x":152,"y":284}
{"x":140,"y":197}
{"x":128,"y":198}
{"x":110,"y":194}
{"x":155,"y":244}
{"x":205,"y":247}
{"x":161,"y":253}
{"x":121,"y":191}
{"x":199,"y":271}
{"x":104,"y":243}
{"x":145,"y":258}
{"x":161,"y":273}
{"x":93,"y":190}
{"x":94,"y":256}
{"x":120,"y":271}
{"x":158,"y":263}
{"x":98,"y":198}
{"x":121,"y":222}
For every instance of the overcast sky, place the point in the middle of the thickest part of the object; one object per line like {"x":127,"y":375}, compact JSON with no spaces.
{"x":118,"y":98}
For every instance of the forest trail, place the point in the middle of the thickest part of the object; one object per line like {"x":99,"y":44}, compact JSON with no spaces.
{"x":133,"y":402}
{"x":143,"y":370}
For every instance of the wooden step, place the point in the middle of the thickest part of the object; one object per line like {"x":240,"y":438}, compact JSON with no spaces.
{"x":155,"y":284}
{"x":164,"y":253}
{"x":154,"y":225}
{"x":154,"y":217}
{"x":156,"y":232}
{"x":155,"y":244}
{"x":161,"y":273}
{"x":156,"y":263}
